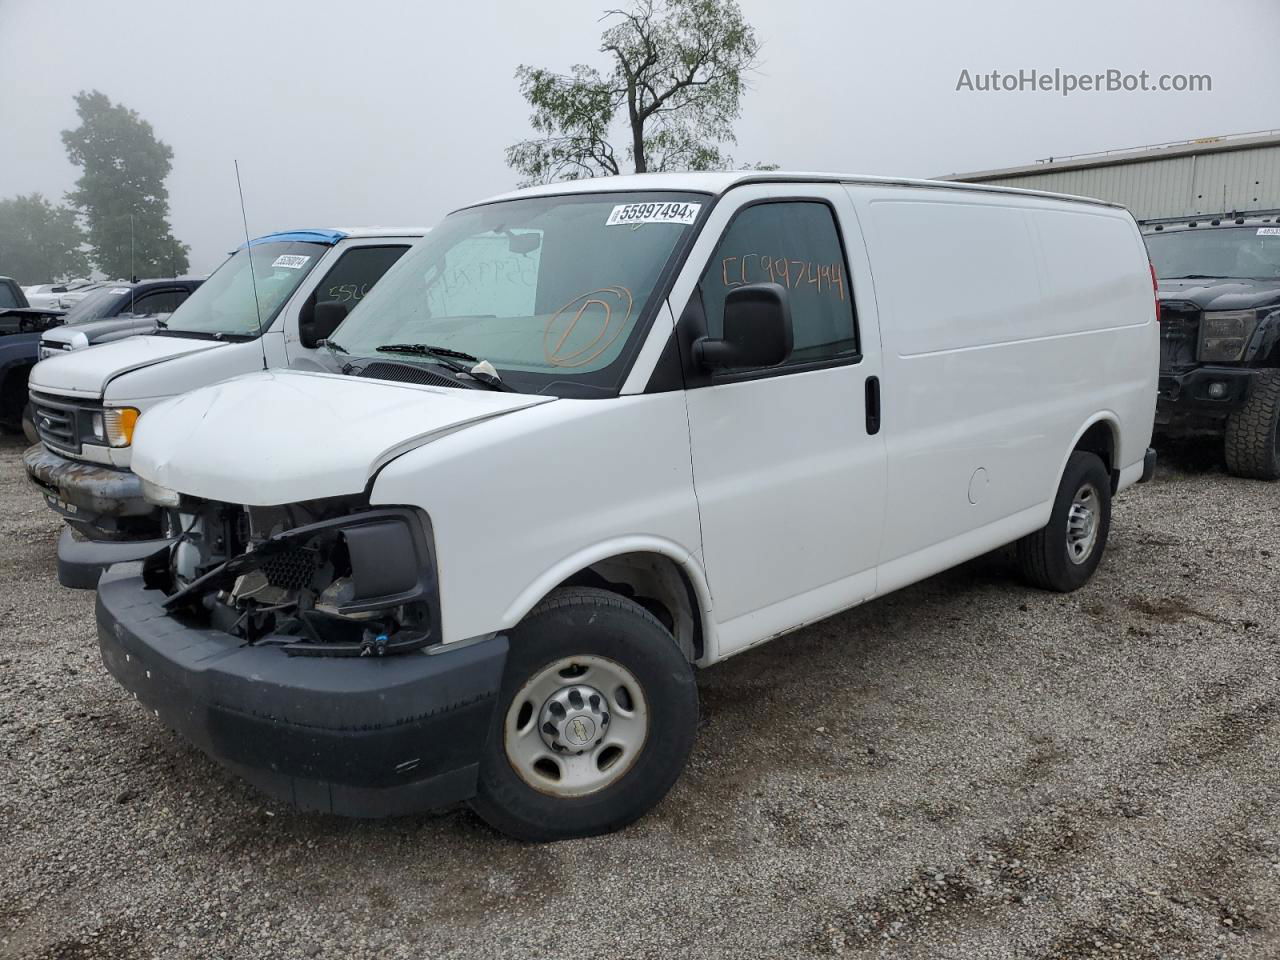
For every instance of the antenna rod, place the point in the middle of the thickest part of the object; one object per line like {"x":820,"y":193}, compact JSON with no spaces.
{"x":133,"y":271}
{"x":253,"y":277}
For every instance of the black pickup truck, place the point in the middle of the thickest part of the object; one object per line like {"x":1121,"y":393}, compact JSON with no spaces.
{"x":21,"y":326}
{"x":1219,"y":283}
{"x":118,"y":310}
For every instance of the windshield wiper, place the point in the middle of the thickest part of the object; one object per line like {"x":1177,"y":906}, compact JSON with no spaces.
{"x":1198,"y":276}
{"x":482,"y":372}
{"x":427,"y":350}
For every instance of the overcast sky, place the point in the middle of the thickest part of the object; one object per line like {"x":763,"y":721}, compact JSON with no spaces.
{"x":391,"y":112}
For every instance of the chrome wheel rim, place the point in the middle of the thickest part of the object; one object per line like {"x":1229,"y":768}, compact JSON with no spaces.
{"x":1082,"y":523}
{"x":576,"y":726}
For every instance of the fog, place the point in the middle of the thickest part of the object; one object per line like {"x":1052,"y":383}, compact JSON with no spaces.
{"x":395,"y":113}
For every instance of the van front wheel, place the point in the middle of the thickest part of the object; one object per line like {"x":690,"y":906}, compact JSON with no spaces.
{"x":594,"y":722}
{"x":1064,"y":553}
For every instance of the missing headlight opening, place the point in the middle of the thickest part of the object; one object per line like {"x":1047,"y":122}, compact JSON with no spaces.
{"x":323,"y":578}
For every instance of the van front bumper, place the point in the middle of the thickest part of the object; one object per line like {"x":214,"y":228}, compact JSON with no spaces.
{"x":357,"y":736}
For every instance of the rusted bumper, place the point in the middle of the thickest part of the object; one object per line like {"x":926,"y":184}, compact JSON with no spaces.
{"x":85,"y":491}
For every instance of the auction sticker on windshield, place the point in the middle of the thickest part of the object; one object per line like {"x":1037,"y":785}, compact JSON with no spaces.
{"x":1269,"y":231}
{"x":292,"y":261}
{"x":633,"y":213}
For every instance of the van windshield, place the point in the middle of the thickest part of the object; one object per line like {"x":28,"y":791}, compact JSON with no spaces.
{"x":553,"y":291}
{"x":223,"y":305}
{"x":1240,"y":253}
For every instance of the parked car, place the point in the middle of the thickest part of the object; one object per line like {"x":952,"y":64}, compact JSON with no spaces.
{"x":43,"y":295}
{"x":117,"y":311}
{"x":53,"y":296}
{"x":587,"y":437}
{"x":74,"y":294}
{"x":21,"y":326}
{"x":86,"y":402}
{"x":1220,"y":336}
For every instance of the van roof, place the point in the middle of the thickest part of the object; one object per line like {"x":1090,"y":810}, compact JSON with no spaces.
{"x":719,"y":182}
{"x":376,"y":231}
{"x":332,"y":235}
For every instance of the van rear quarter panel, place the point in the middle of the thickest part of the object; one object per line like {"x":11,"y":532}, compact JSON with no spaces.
{"x":1008,"y":325}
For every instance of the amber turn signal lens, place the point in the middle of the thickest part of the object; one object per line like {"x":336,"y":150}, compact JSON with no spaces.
{"x":119,"y":422}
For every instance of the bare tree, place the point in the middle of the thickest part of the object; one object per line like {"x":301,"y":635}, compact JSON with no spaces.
{"x":677,"y":79}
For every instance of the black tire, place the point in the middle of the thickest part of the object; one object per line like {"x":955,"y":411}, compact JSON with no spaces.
{"x":13,"y":400}
{"x":1044,"y":557}
{"x":578,"y":622}
{"x":1252,"y":442}
{"x":29,"y":425}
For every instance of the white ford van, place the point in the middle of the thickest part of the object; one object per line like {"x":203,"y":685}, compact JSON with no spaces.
{"x":588,"y":437}
{"x":85,"y":403}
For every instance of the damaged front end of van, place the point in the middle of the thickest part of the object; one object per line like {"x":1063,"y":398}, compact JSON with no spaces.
{"x":300,"y":646}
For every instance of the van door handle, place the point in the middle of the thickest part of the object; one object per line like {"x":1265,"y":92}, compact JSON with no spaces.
{"x":873,"y":405}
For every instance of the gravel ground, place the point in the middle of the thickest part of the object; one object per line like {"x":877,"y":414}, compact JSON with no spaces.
{"x":967,"y":768}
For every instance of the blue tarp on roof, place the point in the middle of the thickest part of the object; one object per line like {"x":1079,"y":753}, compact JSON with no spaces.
{"x":327,"y":237}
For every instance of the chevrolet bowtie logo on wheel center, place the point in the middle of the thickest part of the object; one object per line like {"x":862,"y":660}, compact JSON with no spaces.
{"x":580,"y":730}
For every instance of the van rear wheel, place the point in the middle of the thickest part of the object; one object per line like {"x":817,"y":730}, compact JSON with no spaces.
{"x":594,"y":722}
{"x":1064,"y":553}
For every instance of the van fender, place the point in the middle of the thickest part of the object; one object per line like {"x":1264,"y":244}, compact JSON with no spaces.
{"x":548,"y":580}
{"x":1110,"y":418}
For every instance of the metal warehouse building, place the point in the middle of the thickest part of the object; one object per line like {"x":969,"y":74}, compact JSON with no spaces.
{"x":1169,"y":181}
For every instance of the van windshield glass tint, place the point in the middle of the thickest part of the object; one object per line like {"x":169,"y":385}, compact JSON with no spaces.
{"x":1247,"y":253}
{"x":550,"y":290}
{"x":224,"y":303}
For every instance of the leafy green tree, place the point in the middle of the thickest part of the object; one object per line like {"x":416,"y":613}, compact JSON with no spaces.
{"x":40,"y":241}
{"x":125,"y":167}
{"x":676,"y":81}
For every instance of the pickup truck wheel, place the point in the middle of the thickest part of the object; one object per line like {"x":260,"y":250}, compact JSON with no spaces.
{"x":1064,"y":553}
{"x":594,"y":722}
{"x":1252,"y":442}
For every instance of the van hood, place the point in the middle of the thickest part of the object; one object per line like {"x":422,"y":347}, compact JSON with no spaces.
{"x":282,"y":436}
{"x":86,"y":373}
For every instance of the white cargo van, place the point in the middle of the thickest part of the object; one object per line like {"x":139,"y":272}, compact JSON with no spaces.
{"x":588,"y":437}
{"x":85,"y":403}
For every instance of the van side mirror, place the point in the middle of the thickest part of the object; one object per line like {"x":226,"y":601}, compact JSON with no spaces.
{"x":757,"y":329}
{"x":320,"y":321}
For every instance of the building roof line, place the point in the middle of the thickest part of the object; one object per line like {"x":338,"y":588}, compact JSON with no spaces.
{"x":1113,"y":158}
